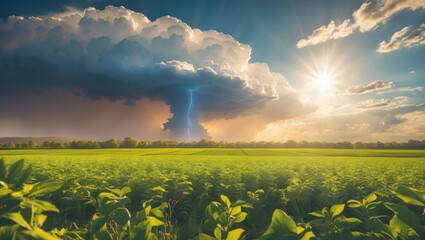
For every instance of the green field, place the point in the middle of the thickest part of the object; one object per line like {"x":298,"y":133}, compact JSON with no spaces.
{"x":186,"y":181}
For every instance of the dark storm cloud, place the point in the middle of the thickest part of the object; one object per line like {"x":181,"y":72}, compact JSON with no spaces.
{"x":118,"y":54}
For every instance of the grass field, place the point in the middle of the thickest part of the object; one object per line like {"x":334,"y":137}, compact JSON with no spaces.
{"x":167,"y":153}
{"x":186,"y":181}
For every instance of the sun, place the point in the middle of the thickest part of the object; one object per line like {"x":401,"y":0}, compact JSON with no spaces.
{"x":322,"y":73}
{"x":324,"y":81}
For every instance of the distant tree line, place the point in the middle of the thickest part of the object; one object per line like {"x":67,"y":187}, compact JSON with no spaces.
{"x":135,"y":143}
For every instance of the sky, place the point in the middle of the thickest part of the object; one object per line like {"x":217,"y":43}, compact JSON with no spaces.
{"x":221,"y":70}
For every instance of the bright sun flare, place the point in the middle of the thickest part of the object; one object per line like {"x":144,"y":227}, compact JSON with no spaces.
{"x":324,"y":81}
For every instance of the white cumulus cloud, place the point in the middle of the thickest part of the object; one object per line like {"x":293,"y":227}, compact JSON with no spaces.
{"x":406,"y":37}
{"x":369,"y":16}
{"x":371,"y":87}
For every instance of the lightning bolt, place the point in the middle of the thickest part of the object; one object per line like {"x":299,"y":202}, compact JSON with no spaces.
{"x":189,"y":123}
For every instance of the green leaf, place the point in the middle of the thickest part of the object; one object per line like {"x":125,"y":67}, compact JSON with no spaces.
{"x":42,"y":188}
{"x":373,"y":205}
{"x":369,"y":198}
{"x":23,"y":177}
{"x":354,"y":204}
{"x":43,"y":205}
{"x":139,"y":232}
{"x":39,"y":220}
{"x":316,"y":214}
{"x":399,"y":226}
{"x":124,"y":191}
{"x":115,"y":191}
{"x":360,"y":236}
{"x":308,"y":235}
{"x":378,"y":227}
{"x":151,"y":236}
{"x":343,"y":222}
{"x":159,"y":188}
{"x":408,"y":217}
{"x":235,"y":234}
{"x":2,"y":170}
{"x":240,"y":203}
{"x":15,"y":171}
{"x":280,"y":225}
{"x":157,"y":213}
{"x":103,"y":235}
{"x":97,"y":224}
{"x":148,"y":210}
{"x":411,"y":196}
{"x":325,"y":213}
{"x":105,"y":196}
{"x":236,"y":210}
{"x":121,"y":216}
{"x":204,"y":236}
{"x":240,"y":217}
{"x":258,"y":191}
{"x":154,"y":222}
{"x":336,"y":210}
{"x":17,"y":218}
{"x":28,"y":213}
{"x":38,"y":234}
{"x":120,"y":192}
{"x":226,"y":200}
{"x":60,"y":232}
{"x":217,"y":233}
{"x":6,"y":194}
{"x":6,"y":232}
